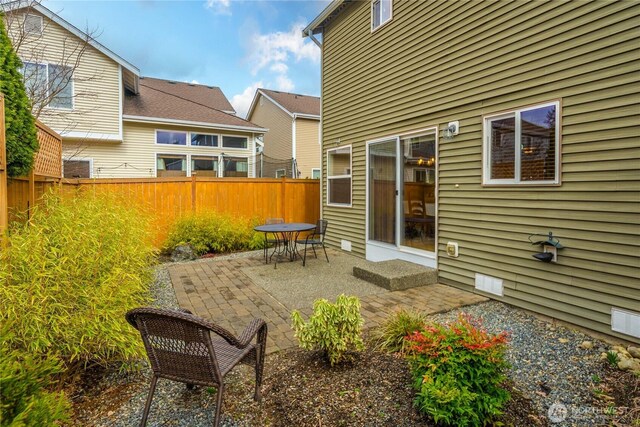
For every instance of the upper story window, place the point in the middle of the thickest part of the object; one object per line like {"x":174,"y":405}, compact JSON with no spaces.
{"x":33,"y":24}
{"x":49,"y":84}
{"x":204,"y":140}
{"x":339,"y":176}
{"x":380,"y":13}
{"x":523,"y":146}
{"x":171,"y":138}
{"x":234,"y":142}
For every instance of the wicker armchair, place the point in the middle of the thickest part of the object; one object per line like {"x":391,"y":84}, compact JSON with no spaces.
{"x":181,"y":348}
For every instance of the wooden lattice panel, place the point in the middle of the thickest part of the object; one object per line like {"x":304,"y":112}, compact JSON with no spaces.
{"x":48,"y":160}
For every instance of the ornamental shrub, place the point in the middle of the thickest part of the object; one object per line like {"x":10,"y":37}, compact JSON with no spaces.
{"x":22,"y":141}
{"x":458,"y":372}
{"x":333,"y":329}
{"x":24,"y":380}
{"x":212,"y":232}
{"x":391,"y":334}
{"x":69,"y":276}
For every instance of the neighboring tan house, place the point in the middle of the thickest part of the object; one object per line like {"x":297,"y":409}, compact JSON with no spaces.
{"x":117,"y":124}
{"x":294,"y":124}
{"x":478,"y":124}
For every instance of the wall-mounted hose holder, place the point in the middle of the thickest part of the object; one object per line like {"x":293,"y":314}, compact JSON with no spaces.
{"x":549,"y":246}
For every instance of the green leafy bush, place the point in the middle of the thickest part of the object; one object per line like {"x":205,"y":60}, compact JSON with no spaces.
{"x":69,"y":276}
{"x":333,"y":329}
{"x":391,"y":334}
{"x":22,"y":141}
{"x":458,"y":370}
{"x":24,"y":380}
{"x":212,"y":232}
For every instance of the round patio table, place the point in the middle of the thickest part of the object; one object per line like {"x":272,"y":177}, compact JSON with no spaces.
{"x":288,"y":232}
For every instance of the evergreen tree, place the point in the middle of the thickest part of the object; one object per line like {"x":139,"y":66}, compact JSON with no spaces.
{"x":22,"y":140}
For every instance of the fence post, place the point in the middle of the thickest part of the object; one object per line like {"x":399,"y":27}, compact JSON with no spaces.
{"x":4,"y":202}
{"x":193,"y":191}
{"x":283,"y":194}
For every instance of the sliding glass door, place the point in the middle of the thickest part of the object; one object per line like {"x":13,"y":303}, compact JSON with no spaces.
{"x":382,"y":191}
{"x":401,"y":193}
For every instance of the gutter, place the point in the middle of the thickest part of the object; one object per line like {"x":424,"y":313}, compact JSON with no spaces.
{"x":159,"y":120}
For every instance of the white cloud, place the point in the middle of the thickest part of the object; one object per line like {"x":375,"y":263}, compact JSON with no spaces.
{"x":277,"y":48}
{"x":195,"y":82}
{"x":279,"y":67}
{"x":284,"y":83}
{"x":221,"y":7}
{"x":242,"y":101}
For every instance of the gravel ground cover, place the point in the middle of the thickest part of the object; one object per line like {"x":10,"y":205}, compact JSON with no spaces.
{"x":549,"y":367}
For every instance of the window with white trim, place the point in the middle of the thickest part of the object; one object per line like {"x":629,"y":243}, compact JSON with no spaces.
{"x":523,"y":146}
{"x":171,"y":138}
{"x":33,"y":24}
{"x":236,"y":167}
{"x":234,"y":142}
{"x":74,"y":168}
{"x":204,"y":166}
{"x":204,"y":140}
{"x":315,"y":173}
{"x":280,"y":173}
{"x":380,"y":13}
{"x":171,"y":165}
{"x":339,"y":176}
{"x":52,"y":84}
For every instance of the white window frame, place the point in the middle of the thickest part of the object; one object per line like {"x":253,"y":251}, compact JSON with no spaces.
{"x":236,"y":157}
{"x":319,"y":173}
{"x":190,"y":133}
{"x":349,"y":175}
{"x":47,"y":64}
{"x":33,"y":33}
{"x":382,"y":23}
{"x":155,"y":165}
{"x":221,"y":145}
{"x":190,"y":157}
{"x":516,"y":114}
{"x":79,"y":159}
{"x":284,"y":173}
{"x":186,"y":138}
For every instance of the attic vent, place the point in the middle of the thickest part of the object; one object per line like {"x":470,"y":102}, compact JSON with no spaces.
{"x":172,"y":83}
{"x":210,"y":87}
{"x":191,"y":84}
{"x":33,"y":24}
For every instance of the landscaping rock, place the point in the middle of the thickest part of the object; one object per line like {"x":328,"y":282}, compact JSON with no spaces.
{"x":629,"y":365}
{"x":586,"y":345}
{"x":634,"y":351}
{"x":183,"y":253}
{"x":563,"y":340}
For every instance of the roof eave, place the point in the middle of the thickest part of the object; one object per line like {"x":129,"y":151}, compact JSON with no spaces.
{"x":163,"y":120}
{"x":315,"y":27}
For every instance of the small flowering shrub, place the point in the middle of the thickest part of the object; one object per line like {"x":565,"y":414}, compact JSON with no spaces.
{"x":334,"y":329}
{"x":458,"y":370}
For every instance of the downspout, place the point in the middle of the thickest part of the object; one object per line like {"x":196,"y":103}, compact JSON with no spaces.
{"x":294,"y":172}
{"x":309,"y":34}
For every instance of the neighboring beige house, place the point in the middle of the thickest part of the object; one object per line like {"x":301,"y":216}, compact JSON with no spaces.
{"x":473,"y":125}
{"x":117,"y":124}
{"x":293,"y":121}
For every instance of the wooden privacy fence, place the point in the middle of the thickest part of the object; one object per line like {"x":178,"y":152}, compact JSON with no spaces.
{"x":167,"y":199}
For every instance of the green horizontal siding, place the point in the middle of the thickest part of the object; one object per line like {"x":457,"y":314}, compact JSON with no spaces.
{"x":437,"y":62}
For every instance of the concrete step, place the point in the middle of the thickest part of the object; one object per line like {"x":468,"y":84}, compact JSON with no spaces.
{"x":396,"y":275}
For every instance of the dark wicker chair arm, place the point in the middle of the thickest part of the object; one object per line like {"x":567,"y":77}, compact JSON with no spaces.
{"x":182,"y":314}
{"x":251,"y":331}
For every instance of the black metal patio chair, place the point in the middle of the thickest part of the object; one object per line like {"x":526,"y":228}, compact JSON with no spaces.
{"x":181,"y":348}
{"x":272,"y":239}
{"x":315,"y":238}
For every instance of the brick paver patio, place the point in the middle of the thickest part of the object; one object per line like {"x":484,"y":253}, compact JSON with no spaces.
{"x":220,"y":291}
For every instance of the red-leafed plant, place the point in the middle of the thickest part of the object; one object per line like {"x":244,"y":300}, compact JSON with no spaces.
{"x":458,"y":370}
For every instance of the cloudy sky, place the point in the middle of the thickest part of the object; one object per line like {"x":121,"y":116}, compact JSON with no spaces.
{"x":238,"y":45}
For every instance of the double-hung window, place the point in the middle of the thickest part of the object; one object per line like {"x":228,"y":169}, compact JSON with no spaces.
{"x":523,"y":146}
{"x":339,"y":176}
{"x":380,"y":13}
{"x":49,"y":84}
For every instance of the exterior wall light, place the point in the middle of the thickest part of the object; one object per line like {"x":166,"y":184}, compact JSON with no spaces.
{"x":452,"y":129}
